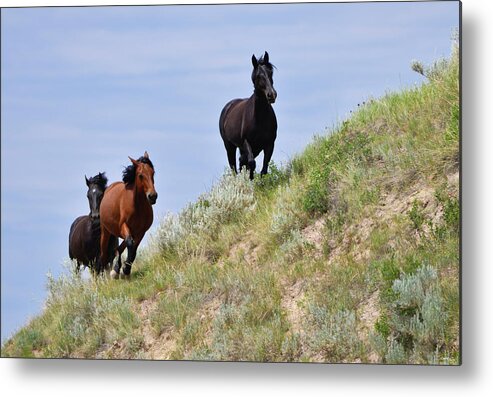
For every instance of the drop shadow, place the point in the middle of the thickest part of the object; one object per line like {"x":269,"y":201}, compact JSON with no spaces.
{"x":42,"y":369}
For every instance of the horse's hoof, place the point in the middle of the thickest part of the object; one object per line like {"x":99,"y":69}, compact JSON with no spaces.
{"x":114,"y":275}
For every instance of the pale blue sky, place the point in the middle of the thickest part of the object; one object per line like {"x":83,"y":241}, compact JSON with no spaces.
{"x":83,"y":88}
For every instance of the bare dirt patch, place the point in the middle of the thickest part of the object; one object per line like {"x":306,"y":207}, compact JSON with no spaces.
{"x":147,"y":306}
{"x":453,"y":179}
{"x":401,"y":204}
{"x":314,"y":235}
{"x":292,"y":303}
{"x":161,"y":348}
{"x":154,"y":347}
{"x":245,"y":250}
{"x":208,"y":313}
{"x":368,"y":314}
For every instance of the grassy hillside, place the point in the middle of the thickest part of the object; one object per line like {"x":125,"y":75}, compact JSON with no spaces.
{"x":350,"y":253}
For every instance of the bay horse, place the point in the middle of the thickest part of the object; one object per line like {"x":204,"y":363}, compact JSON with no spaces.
{"x":126,"y":212}
{"x":250,"y":124}
{"x":85,"y":231}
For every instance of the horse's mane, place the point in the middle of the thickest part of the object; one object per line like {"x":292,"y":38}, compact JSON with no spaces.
{"x":269,"y":65}
{"x":100,"y":180}
{"x":129,"y":171}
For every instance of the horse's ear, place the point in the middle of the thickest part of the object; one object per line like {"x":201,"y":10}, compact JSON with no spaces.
{"x":254,"y":61}
{"x":87,"y":181}
{"x":146,"y":155}
{"x":266,"y":57}
{"x":134,"y":162}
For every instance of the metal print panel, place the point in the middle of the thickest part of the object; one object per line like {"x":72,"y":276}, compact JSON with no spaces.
{"x":235,"y":182}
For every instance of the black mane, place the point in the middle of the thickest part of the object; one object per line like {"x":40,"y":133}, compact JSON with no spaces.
{"x":128,"y":176}
{"x":268,"y":65}
{"x":99,"y":180}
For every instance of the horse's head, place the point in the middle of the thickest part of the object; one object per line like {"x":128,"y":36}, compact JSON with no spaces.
{"x":144,"y":177}
{"x":262,"y":77}
{"x":95,"y":190}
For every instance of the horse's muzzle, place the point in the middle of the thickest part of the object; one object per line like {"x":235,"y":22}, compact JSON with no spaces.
{"x":152,"y":197}
{"x":271,"y":96}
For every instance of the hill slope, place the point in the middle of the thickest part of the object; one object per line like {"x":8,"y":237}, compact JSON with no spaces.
{"x":350,"y":253}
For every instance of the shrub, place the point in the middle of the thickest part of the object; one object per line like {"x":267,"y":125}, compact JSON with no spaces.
{"x":433,"y":72}
{"x":417,"y":319}
{"x":452,"y":130}
{"x":168,"y":234}
{"x":417,"y":216}
{"x":285,"y":213}
{"x":291,"y":347}
{"x":451,"y":214}
{"x":274,"y":178}
{"x":395,"y":353}
{"x":292,"y":248}
{"x":83,"y":318}
{"x":334,"y":334}
{"x":230,"y":197}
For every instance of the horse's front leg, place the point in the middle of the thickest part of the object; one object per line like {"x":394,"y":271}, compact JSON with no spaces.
{"x":267,"y":156}
{"x":131,"y":254}
{"x":115,"y":272}
{"x":132,"y":245}
{"x":250,"y":158}
{"x":119,"y":251}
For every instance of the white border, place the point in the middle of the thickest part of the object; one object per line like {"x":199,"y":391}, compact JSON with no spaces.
{"x":473,"y":378}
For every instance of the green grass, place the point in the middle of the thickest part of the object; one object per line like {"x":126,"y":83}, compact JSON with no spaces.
{"x":349,"y":253}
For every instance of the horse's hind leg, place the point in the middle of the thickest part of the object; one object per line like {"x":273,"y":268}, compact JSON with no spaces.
{"x":231,"y":152}
{"x":77,"y":268}
{"x":243,"y":160}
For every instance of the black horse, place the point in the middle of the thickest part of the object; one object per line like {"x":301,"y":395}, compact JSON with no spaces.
{"x":250,"y":124}
{"x":85,"y":232}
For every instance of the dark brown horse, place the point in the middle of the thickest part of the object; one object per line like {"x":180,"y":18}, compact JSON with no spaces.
{"x":250,"y":124}
{"x":126,"y":211}
{"x":85,"y":232}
